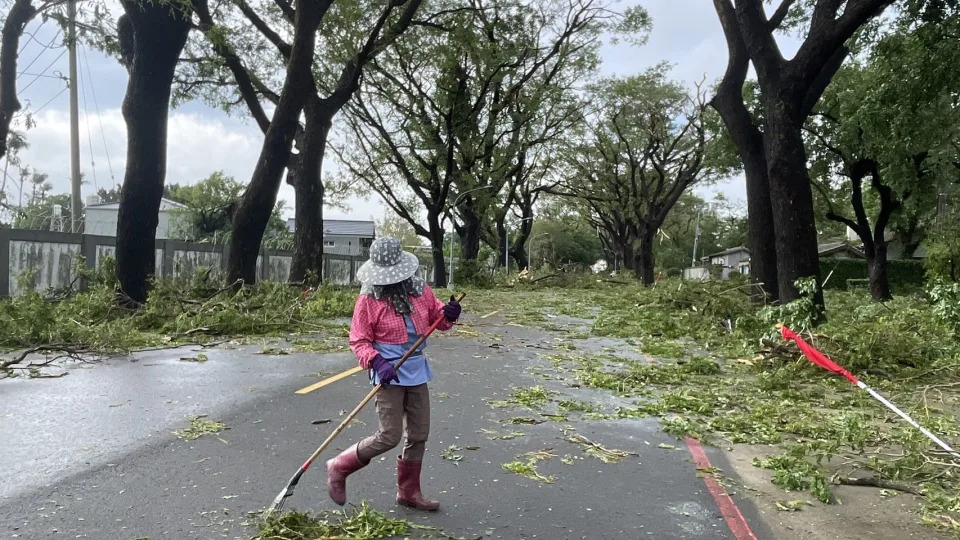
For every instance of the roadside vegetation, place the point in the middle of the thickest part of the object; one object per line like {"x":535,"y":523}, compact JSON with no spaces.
{"x":716,"y":369}
{"x":701,"y":357}
{"x":196,"y":311}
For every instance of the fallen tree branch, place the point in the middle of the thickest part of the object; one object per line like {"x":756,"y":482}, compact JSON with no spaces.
{"x":69,"y":352}
{"x":543,"y":278}
{"x":873,"y":481}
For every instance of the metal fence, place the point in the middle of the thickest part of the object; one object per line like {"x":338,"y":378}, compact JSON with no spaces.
{"x":51,"y":260}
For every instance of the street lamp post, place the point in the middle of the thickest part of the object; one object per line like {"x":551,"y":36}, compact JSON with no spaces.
{"x":453,"y":229}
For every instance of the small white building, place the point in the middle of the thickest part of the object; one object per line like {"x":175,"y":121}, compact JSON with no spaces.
{"x":344,"y":236}
{"x":101,"y":219}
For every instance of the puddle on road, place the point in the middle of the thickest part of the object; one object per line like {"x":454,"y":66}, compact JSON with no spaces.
{"x":695,"y":511}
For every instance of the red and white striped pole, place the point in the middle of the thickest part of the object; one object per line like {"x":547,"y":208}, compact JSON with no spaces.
{"x":821,"y":360}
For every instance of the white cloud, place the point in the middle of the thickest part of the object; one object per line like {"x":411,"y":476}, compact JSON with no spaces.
{"x":197,"y":145}
{"x":202,"y":140}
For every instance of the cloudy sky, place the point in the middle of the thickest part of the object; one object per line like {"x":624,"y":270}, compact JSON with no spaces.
{"x":203,"y":140}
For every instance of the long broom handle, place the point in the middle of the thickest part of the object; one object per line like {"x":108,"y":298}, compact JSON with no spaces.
{"x":373,"y":392}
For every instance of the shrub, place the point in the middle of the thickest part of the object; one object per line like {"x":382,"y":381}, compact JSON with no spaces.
{"x":846,"y":273}
{"x":472,"y":272}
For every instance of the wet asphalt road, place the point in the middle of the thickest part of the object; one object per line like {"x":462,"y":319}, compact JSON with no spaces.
{"x":92,"y":454}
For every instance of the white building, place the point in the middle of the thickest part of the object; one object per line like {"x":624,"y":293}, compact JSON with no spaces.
{"x":344,"y":236}
{"x":101,"y":219}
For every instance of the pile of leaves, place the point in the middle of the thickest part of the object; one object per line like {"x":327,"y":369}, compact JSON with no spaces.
{"x":528,"y":467}
{"x":362,"y":523}
{"x":200,"y":427}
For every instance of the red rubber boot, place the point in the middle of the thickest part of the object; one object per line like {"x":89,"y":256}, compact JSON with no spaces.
{"x":338,"y":469}
{"x":408,"y":487}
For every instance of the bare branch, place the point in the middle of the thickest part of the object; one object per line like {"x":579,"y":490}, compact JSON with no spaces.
{"x":780,"y":14}
{"x":241,"y":75}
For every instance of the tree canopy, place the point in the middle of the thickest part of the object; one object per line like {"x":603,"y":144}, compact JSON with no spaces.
{"x":642,"y":147}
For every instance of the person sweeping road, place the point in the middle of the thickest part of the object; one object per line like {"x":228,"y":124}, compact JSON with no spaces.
{"x":394,"y":309}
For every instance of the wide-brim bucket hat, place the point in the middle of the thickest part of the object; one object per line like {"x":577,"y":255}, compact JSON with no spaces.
{"x":388,"y":263}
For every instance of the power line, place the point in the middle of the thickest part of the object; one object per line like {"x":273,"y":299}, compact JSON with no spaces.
{"x":96,"y":105}
{"x":33,"y":38}
{"x":86,"y":116}
{"x":60,"y":93}
{"x":45,"y":70}
{"x":40,"y":75}
{"x":43,"y":50}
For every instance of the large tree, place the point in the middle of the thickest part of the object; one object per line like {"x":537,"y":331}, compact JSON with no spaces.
{"x":643,"y":149}
{"x":253,"y":214}
{"x":789,"y":90}
{"x":151,"y":36}
{"x":880,"y":146}
{"x":455,"y":113}
{"x":234,"y":65}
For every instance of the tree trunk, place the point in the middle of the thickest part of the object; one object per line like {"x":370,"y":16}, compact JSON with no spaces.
{"x":763,"y":246}
{"x":519,"y":247}
{"x":628,"y":256}
{"x":877,"y":272}
{"x":791,"y":197}
{"x":519,"y":254}
{"x":470,"y":237}
{"x":436,"y":251}
{"x":152,"y":39}
{"x":750,"y":145}
{"x":308,"y":182}
{"x":253,"y":214}
{"x":644,"y":257}
{"x":500,"y":256}
{"x":746,"y":136}
{"x":21,"y":13}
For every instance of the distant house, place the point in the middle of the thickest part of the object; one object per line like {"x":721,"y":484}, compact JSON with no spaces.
{"x":730,"y":260}
{"x":344,"y":236}
{"x":838,"y":249}
{"x":101,"y":219}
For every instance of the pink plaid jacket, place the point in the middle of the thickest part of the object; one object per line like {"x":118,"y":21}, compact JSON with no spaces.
{"x":375,"y":321}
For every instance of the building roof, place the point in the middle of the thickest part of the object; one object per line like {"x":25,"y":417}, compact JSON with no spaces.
{"x":165,"y":204}
{"x":729,"y":251}
{"x":830,"y":248}
{"x":343,"y":227}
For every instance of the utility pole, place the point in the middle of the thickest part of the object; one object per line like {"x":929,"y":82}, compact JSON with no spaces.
{"x":76,"y":207}
{"x":696,"y":240}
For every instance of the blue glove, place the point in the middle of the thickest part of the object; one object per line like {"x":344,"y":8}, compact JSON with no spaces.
{"x":452,"y":310}
{"x":385,"y":371}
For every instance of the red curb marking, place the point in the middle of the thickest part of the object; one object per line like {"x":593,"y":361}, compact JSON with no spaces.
{"x":728,"y":509}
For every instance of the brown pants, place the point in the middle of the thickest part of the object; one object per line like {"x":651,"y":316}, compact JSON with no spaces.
{"x":401,"y":408}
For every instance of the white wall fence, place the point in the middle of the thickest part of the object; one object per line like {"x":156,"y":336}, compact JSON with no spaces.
{"x":696,"y":274}
{"x":52,"y":258}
